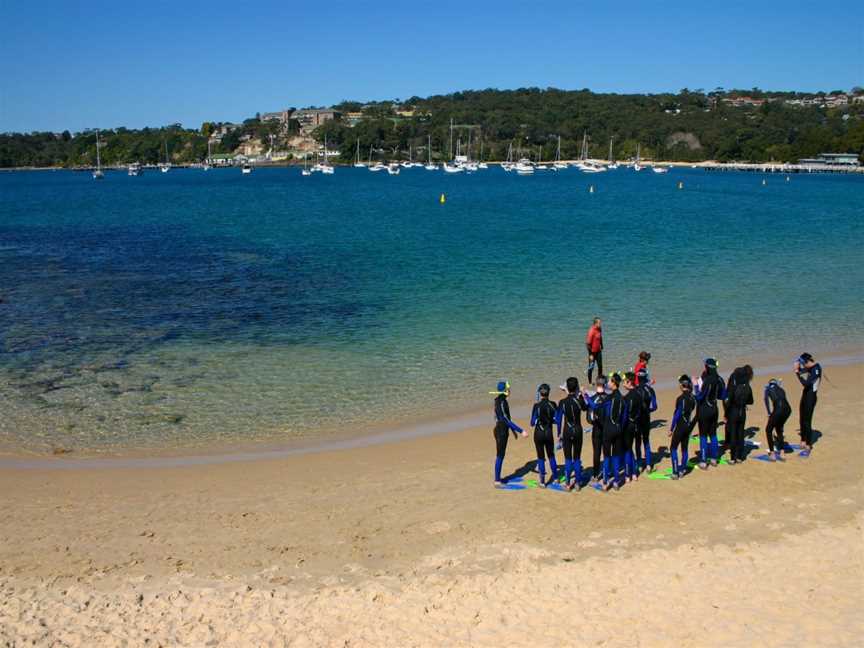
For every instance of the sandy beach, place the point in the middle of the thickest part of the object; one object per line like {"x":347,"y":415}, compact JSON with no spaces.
{"x":408,"y":544}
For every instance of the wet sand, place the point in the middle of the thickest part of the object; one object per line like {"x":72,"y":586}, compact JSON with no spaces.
{"x":407,"y":543}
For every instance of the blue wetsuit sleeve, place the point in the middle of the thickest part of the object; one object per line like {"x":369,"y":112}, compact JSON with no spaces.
{"x":698,"y":394}
{"x":625,"y":412}
{"x":559,"y":416}
{"x":534,"y":414}
{"x":767,"y":402}
{"x":722,"y":393}
{"x":506,"y":418}
{"x":589,"y":403}
{"x":653,"y":407}
{"x":675,"y":416}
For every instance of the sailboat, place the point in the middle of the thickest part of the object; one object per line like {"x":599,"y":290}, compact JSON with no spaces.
{"x":558,"y":164}
{"x":429,"y":165}
{"x":453,"y":166}
{"x":324,"y":167}
{"x":305,"y":171}
{"x":481,"y":164}
{"x":507,"y":164}
{"x":358,"y":164}
{"x":657,"y":168}
{"x":540,"y":166}
{"x":164,"y":168}
{"x":410,"y":162}
{"x":636,"y":165}
{"x":612,"y":163}
{"x":98,"y":174}
{"x":206,"y":165}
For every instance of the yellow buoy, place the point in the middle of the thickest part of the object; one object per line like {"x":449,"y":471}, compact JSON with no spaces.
{"x":442,"y":199}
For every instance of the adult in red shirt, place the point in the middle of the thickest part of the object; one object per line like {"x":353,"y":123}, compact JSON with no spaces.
{"x":644,"y":358}
{"x":594,"y":344}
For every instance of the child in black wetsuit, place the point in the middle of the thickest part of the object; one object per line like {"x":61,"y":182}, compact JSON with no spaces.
{"x":569,"y":419}
{"x":738,"y":396}
{"x":779,"y":411}
{"x":503,"y":426}
{"x":543,"y":417}
{"x":683,"y":422}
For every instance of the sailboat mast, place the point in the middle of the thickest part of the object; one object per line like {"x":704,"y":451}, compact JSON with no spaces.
{"x":451,"y":138}
{"x":98,"y":159}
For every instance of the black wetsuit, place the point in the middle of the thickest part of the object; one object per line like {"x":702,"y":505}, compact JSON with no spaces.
{"x":543,"y":418}
{"x":735,"y":378}
{"x":708,"y":413}
{"x":596,"y":419}
{"x":779,"y":411}
{"x":811,"y":379}
{"x":643,"y":431}
{"x":634,"y":401}
{"x":570,"y":410}
{"x":683,"y":422}
{"x":503,"y":425}
{"x":739,"y":397}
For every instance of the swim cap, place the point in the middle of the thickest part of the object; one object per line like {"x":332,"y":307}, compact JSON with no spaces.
{"x":502,"y":388}
{"x":805,"y":357}
{"x":711,"y":363}
{"x":771,"y":382}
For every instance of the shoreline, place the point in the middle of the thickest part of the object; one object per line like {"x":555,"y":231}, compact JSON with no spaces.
{"x":431,"y":425}
{"x":708,"y":165}
{"x":408,"y":544}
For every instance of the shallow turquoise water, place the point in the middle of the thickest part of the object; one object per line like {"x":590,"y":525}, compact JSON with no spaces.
{"x":191,"y":309}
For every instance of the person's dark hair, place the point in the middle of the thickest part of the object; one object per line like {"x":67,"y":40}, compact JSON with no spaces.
{"x":600,"y":381}
{"x":615,"y":378}
{"x":543,"y":390}
{"x":748,"y":372}
{"x":630,"y":376}
{"x":684,"y":380}
{"x":572,"y":384}
{"x":644,"y":355}
{"x":596,"y":319}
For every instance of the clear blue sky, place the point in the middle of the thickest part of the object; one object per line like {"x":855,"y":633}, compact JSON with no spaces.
{"x":101,"y":64}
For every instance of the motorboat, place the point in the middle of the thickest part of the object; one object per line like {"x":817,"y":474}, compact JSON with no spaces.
{"x":393,"y":169}
{"x":453,"y":168}
{"x":135,"y":169}
{"x":524,"y":167}
{"x":378,"y":167}
{"x":246,"y":168}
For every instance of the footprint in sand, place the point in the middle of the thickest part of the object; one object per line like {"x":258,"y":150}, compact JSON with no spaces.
{"x":437,"y":527}
{"x":730,"y":527}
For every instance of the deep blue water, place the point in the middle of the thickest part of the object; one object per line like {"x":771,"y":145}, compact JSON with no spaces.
{"x":193,"y":308}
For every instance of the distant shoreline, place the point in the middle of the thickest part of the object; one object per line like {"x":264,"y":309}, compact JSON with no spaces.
{"x":710,"y":165}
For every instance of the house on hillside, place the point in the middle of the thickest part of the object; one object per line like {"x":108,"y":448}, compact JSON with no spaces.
{"x":312,"y":118}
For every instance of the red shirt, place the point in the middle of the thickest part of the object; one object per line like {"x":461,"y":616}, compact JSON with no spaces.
{"x":594,"y":339}
{"x":639,"y":365}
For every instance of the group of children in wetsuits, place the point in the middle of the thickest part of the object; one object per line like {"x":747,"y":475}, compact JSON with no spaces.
{"x":621,"y":423}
